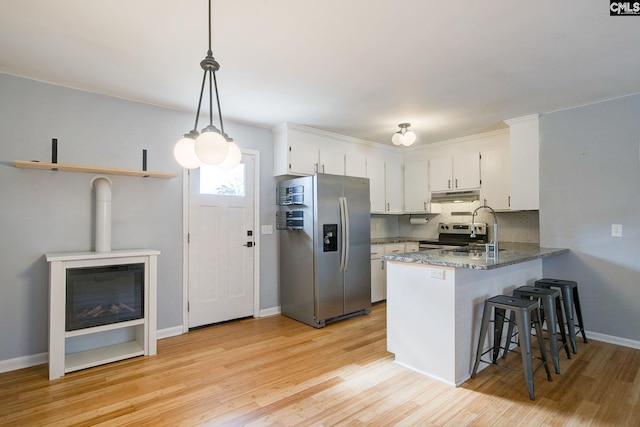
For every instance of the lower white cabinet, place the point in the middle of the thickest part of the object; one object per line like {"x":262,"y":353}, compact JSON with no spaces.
{"x":378,"y":275}
{"x":378,"y":266}
{"x":412,"y":247}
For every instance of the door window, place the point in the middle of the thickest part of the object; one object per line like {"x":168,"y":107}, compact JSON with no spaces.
{"x":218,"y":182}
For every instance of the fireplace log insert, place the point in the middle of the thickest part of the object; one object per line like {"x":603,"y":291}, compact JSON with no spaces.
{"x":97,"y":296}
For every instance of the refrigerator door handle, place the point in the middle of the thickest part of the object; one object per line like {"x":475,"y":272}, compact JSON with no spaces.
{"x":344,"y":221}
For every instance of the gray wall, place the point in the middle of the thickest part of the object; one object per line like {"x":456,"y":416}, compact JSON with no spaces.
{"x":590,"y":179}
{"x":44,"y":211}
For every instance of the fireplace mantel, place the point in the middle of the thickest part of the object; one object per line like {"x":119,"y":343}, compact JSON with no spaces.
{"x":140,"y":333}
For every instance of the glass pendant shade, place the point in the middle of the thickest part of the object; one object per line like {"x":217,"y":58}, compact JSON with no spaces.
{"x":234,"y":156}
{"x":185,"y":152}
{"x":397,"y":138}
{"x":409,"y":138}
{"x":211,"y":147}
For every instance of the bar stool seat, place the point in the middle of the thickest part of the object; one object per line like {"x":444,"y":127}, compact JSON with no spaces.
{"x":551,"y":312}
{"x":526,"y":314}
{"x":571,"y":305}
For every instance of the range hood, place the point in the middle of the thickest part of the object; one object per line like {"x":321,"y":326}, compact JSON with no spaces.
{"x":455,"y":196}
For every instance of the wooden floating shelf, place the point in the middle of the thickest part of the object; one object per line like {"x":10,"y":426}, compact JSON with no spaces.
{"x":91,"y":169}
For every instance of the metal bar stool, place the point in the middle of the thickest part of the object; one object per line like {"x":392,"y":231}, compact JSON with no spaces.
{"x":551,"y":312}
{"x":571,"y":304}
{"x":525,"y":311}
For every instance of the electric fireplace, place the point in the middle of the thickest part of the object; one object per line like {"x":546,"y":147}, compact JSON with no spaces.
{"x":98,"y":296}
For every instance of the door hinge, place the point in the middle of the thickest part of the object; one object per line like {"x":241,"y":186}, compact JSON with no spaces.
{"x":188,"y":237}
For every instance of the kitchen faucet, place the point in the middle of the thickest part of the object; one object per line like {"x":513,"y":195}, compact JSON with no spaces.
{"x":494,"y":243}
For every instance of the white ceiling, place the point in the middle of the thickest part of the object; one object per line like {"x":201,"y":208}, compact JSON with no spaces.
{"x":354,"y":67}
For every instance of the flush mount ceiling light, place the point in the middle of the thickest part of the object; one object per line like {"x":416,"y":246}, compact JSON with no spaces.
{"x":404,"y":136}
{"x":211,"y":146}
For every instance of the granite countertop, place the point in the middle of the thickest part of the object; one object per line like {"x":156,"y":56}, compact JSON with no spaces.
{"x":383,"y":240}
{"x":509,"y":254}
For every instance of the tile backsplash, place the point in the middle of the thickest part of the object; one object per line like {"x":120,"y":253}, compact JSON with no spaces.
{"x":521,"y":226}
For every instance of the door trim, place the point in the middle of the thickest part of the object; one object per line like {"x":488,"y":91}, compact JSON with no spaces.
{"x":256,"y":234}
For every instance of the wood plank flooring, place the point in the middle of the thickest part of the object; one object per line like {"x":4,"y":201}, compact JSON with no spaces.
{"x":278,"y":372}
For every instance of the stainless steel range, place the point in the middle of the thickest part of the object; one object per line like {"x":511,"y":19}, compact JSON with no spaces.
{"x":456,"y":235}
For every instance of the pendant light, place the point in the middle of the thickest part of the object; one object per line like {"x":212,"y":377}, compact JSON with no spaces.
{"x":211,"y":146}
{"x":404,"y":136}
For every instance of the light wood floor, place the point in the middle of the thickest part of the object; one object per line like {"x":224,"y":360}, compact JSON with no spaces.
{"x":275,"y":371}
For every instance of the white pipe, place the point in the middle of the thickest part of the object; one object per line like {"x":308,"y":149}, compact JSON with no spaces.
{"x":102,"y":185}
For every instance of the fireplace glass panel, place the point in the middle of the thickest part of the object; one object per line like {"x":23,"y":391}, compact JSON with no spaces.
{"x":103,"y":295}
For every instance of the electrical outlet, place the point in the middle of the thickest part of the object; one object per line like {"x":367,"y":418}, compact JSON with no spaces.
{"x":437,"y":273}
{"x":267,"y":229}
{"x":616,"y":230}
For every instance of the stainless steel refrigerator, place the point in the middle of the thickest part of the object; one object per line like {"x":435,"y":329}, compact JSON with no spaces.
{"x":325,"y":246}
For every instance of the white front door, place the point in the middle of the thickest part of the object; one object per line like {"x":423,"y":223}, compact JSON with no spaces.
{"x":221,"y":243}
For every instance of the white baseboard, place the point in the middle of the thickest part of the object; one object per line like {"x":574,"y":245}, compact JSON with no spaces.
{"x":610,"y":339}
{"x":270,"y":311}
{"x":23,"y":362}
{"x":169,"y":332}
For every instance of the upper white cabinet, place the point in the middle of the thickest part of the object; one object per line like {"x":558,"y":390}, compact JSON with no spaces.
{"x":393,"y":187}
{"x":331,"y":162}
{"x":525,"y":162}
{"x":458,"y":172}
{"x":385,"y":182}
{"x":494,"y":171}
{"x":417,"y":197}
{"x":355,"y":165}
{"x":375,"y":173}
{"x":302,"y":160}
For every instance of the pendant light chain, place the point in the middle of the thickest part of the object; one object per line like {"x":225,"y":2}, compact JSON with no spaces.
{"x":210,"y":146}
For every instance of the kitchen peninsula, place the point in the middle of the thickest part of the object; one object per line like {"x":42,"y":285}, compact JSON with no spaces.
{"x":435,"y":301}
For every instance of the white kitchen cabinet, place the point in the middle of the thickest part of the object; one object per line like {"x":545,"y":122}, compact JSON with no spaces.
{"x":494,"y":170}
{"x":378,"y":266}
{"x":375,"y":173}
{"x":355,"y":165}
{"x":458,"y":172}
{"x":295,"y":152}
{"x":378,"y":275}
{"x":417,"y":197}
{"x":412,"y":247}
{"x":385,"y":183}
{"x":331,"y":162}
{"x":304,"y":151}
{"x":393,"y":187}
{"x":303,"y":160}
{"x":525,"y":162}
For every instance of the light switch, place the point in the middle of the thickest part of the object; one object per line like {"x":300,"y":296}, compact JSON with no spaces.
{"x":616,"y":230}
{"x":267,"y":229}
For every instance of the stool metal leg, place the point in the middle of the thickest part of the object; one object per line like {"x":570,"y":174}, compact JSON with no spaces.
{"x":524,"y":322}
{"x":547,"y":303}
{"x":578,"y":309}
{"x":543,"y":352}
{"x":512,"y":322}
{"x":567,"y":301}
{"x":498,"y":326}
{"x":484,"y":326}
{"x":561,"y":321}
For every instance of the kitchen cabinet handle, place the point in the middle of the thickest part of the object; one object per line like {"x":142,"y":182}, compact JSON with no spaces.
{"x":316,"y":167}
{"x":382,"y":265}
{"x":388,"y":207}
{"x":449,"y":184}
{"x":322,"y":168}
{"x":456,"y":182}
{"x":425,"y":205}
